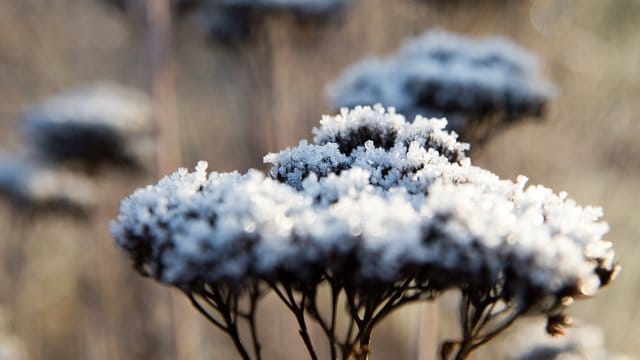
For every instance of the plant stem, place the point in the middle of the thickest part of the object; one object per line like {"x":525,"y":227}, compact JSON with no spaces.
{"x":304,"y":330}
{"x":251,"y":318}
{"x":289,"y":300}
{"x":475,"y":315}
{"x":427,"y":331}
{"x":226,"y":308}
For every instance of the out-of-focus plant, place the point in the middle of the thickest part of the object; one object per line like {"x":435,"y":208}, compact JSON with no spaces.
{"x":177,"y":6}
{"x":582,"y":342}
{"x":471,"y":2}
{"x":72,"y":142}
{"x":230,"y":20}
{"x":479,"y":85}
{"x":233,"y":19}
{"x":86,"y":128}
{"x":71,"y":135}
{"x":383,"y":213}
{"x":11,"y":348}
{"x":33,"y":186}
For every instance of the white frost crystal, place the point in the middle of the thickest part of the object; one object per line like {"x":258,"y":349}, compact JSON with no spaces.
{"x":375,"y":199}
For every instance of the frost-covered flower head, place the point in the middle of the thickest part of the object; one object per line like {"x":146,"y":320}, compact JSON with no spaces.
{"x":29,"y":184}
{"x":374,"y":199}
{"x":477,"y":84}
{"x":101,"y":123}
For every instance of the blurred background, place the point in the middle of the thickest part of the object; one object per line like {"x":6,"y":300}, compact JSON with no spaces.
{"x":67,"y":293}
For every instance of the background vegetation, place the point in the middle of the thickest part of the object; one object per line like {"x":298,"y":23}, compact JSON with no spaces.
{"x":67,"y":293}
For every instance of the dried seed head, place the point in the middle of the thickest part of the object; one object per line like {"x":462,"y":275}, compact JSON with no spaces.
{"x":374,"y":210}
{"x":557,"y":324}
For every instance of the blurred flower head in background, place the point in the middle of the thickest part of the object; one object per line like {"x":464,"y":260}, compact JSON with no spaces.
{"x":100,"y":124}
{"x":479,"y":85}
{"x":583,"y":342}
{"x":236,"y":19}
{"x":33,"y":185}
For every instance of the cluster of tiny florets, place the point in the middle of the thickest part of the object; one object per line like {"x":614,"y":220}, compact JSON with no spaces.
{"x":445,"y":75}
{"x":375,"y":200}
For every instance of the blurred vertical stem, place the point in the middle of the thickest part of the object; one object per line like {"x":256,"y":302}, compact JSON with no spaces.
{"x":162,"y":84}
{"x":260,"y":127}
{"x":13,"y":259}
{"x":427,"y":339}
{"x":162,"y":88}
{"x":278,"y":35}
{"x":269,"y":64}
{"x":483,"y":316}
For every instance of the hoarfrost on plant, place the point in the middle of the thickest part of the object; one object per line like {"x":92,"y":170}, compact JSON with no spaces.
{"x":375,"y":199}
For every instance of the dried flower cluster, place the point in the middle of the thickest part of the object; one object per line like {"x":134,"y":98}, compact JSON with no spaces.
{"x":381,"y":210}
{"x":71,"y":136}
{"x":236,"y":19}
{"x":479,"y":85}
{"x":98,"y":124}
{"x":230,"y":20}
